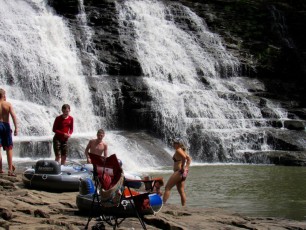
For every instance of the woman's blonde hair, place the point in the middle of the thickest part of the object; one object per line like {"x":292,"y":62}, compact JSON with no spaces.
{"x":180,"y":142}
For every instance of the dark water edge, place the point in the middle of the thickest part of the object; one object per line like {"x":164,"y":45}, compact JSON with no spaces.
{"x":251,"y":190}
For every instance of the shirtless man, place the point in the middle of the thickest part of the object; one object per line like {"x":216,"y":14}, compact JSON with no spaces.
{"x":96,"y":146}
{"x":6,"y":110}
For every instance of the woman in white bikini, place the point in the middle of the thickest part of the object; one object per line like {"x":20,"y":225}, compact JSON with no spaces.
{"x":180,"y":167}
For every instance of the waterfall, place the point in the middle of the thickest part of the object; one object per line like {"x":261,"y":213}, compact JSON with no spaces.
{"x":194,"y":81}
{"x":87,"y":49}
{"x":280,"y":27}
{"x":40,"y":69}
{"x":103,"y":99}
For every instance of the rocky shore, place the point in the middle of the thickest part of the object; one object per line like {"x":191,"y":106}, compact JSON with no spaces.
{"x":21,"y":208}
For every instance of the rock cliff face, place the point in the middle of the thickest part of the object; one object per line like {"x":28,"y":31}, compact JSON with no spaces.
{"x":264,"y":35}
{"x":267,"y":37}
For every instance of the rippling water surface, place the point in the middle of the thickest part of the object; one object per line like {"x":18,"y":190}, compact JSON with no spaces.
{"x":252,"y":190}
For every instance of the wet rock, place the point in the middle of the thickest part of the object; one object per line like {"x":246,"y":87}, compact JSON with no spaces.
{"x":294,"y":124}
{"x":292,"y":158}
{"x":40,"y":213}
{"x":6,"y":214}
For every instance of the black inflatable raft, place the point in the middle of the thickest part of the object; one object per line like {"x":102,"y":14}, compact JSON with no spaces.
{"x":49,"y":175}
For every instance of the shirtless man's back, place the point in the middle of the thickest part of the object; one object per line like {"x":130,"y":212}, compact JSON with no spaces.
{"x":6,"y":110}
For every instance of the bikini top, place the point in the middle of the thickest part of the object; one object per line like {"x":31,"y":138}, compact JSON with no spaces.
{"x":175,"y":160}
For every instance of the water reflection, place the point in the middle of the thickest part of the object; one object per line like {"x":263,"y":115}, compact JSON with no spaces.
{"x":253,"y":190}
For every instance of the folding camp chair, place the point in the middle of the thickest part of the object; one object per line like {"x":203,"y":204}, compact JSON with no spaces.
{"x":115,"y":198}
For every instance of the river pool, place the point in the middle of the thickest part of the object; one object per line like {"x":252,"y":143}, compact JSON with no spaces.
{"x":252,"y":190}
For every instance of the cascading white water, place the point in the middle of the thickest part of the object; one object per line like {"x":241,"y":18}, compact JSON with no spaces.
{"x":40,"y":69}
{"x":96,"y":69}
{"x":87,"y":44}
{"x":192,"y":78}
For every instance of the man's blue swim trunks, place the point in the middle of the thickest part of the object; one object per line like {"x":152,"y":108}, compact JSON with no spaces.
{"x":6,"y":136}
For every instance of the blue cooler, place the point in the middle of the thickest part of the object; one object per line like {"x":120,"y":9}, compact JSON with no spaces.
{"x":156,"y":202}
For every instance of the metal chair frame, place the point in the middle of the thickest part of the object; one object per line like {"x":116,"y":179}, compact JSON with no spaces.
{"x":114,"y":221}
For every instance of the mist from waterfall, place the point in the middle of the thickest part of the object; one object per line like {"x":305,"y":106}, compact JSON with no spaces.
{"x":194,"y":81}
{"x":40,"y":68}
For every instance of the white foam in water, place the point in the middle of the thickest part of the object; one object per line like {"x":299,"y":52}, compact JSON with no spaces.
{"x":134,"y":157}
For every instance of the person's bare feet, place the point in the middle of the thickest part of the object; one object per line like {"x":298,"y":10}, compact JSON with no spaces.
{"x":11,"y":174}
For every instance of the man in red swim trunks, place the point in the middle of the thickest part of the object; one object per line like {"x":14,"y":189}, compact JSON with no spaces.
{"x":63,"y":128}
{"x":6,"y":110}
